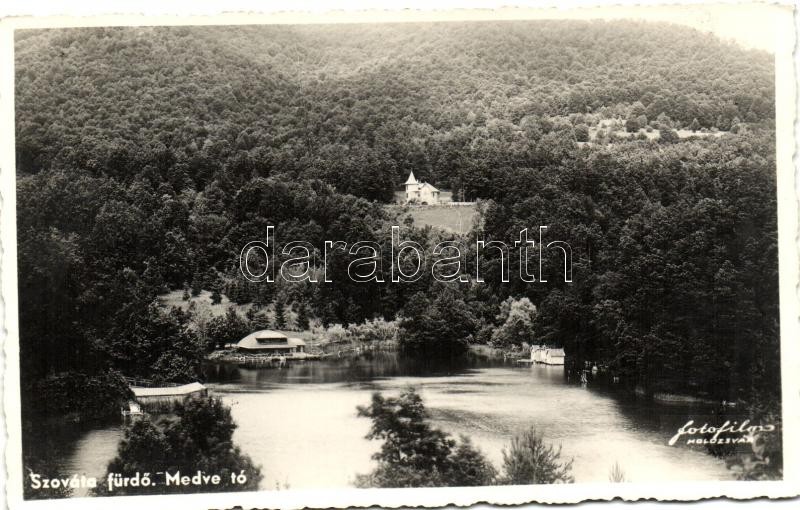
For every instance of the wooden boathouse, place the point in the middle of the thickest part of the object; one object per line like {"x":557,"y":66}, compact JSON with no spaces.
{"x":545,"y":355}
{"x":164,"y":397}
{"x":273,"y":343}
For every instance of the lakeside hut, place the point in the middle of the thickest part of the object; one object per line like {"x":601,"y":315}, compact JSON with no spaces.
{"x":165,"y":397}
{"x":554,"y":357}
{"x":538,"y":353}
{"x":272,"y":343}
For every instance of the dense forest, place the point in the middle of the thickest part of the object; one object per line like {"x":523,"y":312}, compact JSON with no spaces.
{"x":148,"y":157}
{"x":356,"y":106}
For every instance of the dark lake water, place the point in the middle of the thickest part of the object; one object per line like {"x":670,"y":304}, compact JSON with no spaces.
{"x":300,"y":423}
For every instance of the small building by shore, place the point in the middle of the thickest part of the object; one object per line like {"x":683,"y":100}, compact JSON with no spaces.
{"x":271,"y":342}
{"x":164,"y":397}
{"x":546,"y":355}
{"x":554,"y":357}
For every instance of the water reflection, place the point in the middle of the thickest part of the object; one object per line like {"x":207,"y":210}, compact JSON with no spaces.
{"x":368,"y":367}
{"x":489,"y":401}
{"x":300,"y":422}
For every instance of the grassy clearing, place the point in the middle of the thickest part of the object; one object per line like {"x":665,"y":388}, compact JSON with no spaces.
{"x":202,"y":303}
{"x":617,"y":127}
{"x":453,"y":219}
{"x":205,"y":310}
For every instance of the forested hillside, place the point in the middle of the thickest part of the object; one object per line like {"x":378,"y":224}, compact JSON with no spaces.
{"x":148,"y":157}
{"x":356,"y":105}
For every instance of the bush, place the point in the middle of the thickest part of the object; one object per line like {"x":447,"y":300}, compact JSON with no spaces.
{"x":376,"y":330}
{"x":764,"y":461}
{"x":529,"y":460}
{"x":336,"y":333}
{"x":616,"y":474}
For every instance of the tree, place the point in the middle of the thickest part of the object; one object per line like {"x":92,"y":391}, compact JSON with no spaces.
{"x":302,"y":316}
{"x":260,"y":321}
{"x":197,"y":284}
{"x":114,"y":205}
{"x":695,"y":125}
{"x":198,"y":438}
{"x":516,"y":318}
{"x":99,"y":397}
{"x":469,"y":467}
{"x":216,"y":297}
{"x":632,"y":124}
{"x":147,"y":341}
{"x":280,"y":315}
{"x":529,"y":460}
{"x":663,"y":121}
{"x":668,"y":135}
{"x":441,"y":329}
{"x":637,"y":109}
{"x":414,"y":454}
{"x":582,"y":133}
{"x":227,"y":328}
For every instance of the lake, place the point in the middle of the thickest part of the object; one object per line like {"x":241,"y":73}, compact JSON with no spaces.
{"x":300,"y":423}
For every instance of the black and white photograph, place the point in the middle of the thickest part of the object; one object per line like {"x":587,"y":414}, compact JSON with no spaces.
{"x":269,"y":258}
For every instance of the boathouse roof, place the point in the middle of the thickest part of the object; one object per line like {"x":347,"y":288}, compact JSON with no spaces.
{"x":265,"y":334}
{"x":168,"y":391}
{"x":267,"y":339}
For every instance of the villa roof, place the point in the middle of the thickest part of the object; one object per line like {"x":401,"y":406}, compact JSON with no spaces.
{"x":411,"y":179}
{"x":429,"y":186}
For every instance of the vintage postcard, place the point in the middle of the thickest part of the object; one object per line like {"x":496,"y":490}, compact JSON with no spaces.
{"x":400,"y":257}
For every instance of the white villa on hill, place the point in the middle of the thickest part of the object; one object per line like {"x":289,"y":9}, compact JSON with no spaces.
{"x":420,"y":192}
